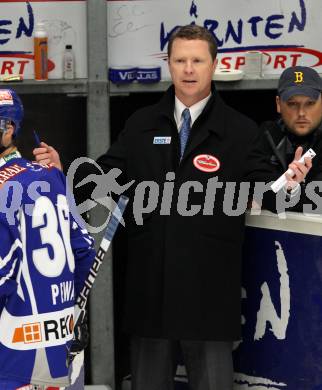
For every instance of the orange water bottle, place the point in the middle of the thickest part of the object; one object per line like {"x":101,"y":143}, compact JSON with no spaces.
{"x":41,"y":52}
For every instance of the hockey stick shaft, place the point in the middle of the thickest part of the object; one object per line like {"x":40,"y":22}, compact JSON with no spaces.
{"x":111,"y":228}
{"x":80,"y":311}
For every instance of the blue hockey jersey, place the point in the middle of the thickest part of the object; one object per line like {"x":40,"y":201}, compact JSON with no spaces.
{"x":45,"y":256}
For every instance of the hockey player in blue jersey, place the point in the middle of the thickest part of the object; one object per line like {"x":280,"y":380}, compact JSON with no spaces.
{"x":45,"y":256}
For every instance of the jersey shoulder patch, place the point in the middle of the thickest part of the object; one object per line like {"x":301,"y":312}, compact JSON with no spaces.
{"x":10,"y":171}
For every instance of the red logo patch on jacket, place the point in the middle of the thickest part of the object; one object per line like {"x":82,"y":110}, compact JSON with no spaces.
{"x":206,"y":163}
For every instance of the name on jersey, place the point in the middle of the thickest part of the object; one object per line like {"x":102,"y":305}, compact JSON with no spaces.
{"x":10,"y":172}
{"x":63,"y":292}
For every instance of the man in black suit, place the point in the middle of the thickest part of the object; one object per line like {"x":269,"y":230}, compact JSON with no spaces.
{"x":184,"y":254}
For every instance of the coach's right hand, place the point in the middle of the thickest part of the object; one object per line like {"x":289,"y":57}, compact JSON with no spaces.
{"x":46,"y":154}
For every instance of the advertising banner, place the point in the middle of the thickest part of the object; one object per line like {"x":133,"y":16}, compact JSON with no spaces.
{"x":282,"y":306}
{"x":281,"y":346}
{"x":65,"y":24}
{"x":286,"y":32}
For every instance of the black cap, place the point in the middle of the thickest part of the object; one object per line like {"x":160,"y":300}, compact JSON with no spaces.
{"x":299,"y":80}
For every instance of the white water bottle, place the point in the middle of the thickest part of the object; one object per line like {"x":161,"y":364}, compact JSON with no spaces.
{"x":68,"y":63}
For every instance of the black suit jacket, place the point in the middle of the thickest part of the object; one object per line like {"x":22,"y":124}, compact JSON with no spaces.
{"x":183,"y":272}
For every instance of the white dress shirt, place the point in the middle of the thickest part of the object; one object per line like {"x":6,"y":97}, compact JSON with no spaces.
{"x":195,"y":110}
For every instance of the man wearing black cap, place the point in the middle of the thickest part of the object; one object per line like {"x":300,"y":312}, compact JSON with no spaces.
{"x":299,"y":104}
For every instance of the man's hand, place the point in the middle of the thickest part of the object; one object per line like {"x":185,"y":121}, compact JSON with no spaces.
{"x":300,"y":169}
{"x":46,"y":154}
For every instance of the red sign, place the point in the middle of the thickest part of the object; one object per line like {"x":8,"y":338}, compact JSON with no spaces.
{"x":206,"y":163}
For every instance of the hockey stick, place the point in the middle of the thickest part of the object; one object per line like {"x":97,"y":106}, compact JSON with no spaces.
{"x":77,"y":343}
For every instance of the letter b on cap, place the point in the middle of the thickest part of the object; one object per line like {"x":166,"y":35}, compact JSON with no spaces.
{"x":298,"y":77}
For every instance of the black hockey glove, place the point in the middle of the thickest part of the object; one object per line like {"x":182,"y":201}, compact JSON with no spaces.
{"x":80,"y":340}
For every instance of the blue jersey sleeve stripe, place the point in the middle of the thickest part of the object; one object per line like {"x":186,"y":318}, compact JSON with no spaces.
{"x":4,"y":261}
{"x":6,"y":277}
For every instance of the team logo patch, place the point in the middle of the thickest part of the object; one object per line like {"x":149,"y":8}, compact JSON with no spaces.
{"x":6,"y":98}
{"x":10,"y":172}
{"x":206,"y":163}
{"x":298,"y":77}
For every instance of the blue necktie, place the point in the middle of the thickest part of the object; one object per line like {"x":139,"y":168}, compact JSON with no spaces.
{"x":184,"y":130}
